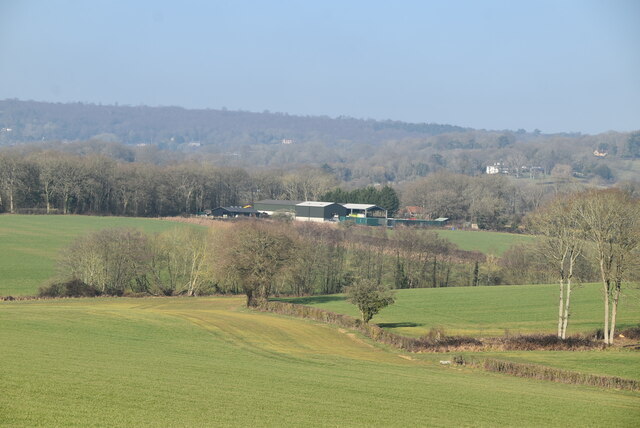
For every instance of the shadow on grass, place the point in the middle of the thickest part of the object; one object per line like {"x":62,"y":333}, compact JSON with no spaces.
{"x":311,"y":300}
{"x":398,"y":324}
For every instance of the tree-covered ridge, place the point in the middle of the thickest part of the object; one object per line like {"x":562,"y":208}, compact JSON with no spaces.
{"x":172,"y":126}
{"x":359,"y":152}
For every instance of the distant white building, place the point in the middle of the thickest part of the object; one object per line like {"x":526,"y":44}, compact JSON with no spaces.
{"x":497,"y":168}
{"x":287,"y":141}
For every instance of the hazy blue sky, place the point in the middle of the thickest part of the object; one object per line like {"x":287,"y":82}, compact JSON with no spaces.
{"x":553,"y":65}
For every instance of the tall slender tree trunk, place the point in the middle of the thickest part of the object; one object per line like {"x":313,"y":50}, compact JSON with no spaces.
{"x":614,"y":312}
{"x":565,"y":321}
{"x":561,"y":307}
{"x":605,"y":295}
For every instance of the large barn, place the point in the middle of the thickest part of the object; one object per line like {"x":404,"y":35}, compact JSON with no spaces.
{"x":320,"y":211}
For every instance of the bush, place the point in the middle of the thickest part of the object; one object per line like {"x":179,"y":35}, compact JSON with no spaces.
{"x":631,"y":333}
{"x":73,"y":288}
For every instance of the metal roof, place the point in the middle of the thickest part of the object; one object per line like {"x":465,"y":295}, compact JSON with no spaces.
{"x":442,"y":219}
{"x":362,"y":207}
{"x":277,"y":202}
{"x":239,"y":210}
{"x":314,"y":204}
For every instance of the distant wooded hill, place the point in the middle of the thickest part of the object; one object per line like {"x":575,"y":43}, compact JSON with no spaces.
{"x":172,"y":126}
{"x":358,"y":152}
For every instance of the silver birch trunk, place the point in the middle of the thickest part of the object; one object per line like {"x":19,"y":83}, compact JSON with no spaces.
{"x":561,"y":308}
{"x":614,"y":312}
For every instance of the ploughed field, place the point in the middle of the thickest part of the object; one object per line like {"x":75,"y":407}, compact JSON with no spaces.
{"x":30,"y":244}
{"x":210,"y":362}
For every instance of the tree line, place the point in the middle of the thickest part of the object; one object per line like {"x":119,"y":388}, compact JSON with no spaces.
{"x":60,"y":182}
{"x":258,"y":258}
{"x":55,"y":182}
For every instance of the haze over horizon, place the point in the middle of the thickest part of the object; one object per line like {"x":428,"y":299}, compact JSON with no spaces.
{"x":571,"y":66}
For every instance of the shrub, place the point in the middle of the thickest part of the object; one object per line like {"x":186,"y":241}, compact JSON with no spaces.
{"x":631,"y":333}
{"x":72,"y":288}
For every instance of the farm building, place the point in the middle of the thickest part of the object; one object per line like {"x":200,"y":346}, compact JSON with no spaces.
{"x":271,"y":206}
{"x":367,"y":214}
{"x":365,"y":210}
{"x":320,"y":211}
{"x":231,"y":212}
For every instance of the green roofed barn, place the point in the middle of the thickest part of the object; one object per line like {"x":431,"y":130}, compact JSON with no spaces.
{"x":319,"y":211}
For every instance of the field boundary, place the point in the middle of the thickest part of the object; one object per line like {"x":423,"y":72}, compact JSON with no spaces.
{"x":437,"y":342}
{"x":536,"y":371}
{"x":449,"y":344}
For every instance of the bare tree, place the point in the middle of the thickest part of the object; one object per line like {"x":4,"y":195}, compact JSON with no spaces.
{"x":12,"y":170}
{"x":179,"y":263}
{"x":561,"y":245}
{"x":611,"y":221}
{"x":255,"y":253}
{"x":110,"y":260}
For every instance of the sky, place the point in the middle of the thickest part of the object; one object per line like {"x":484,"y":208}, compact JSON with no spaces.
{"x":557,"y":66}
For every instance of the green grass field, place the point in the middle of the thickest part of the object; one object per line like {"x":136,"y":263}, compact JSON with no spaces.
{"x":29,"y":245}
{"x":495,"y":243}
{"x":208,"y":362}
{"x":488,"y":311}
{"x":494,"y":311}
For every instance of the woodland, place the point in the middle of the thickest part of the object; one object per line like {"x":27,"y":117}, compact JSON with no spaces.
{"x":163,"y":161}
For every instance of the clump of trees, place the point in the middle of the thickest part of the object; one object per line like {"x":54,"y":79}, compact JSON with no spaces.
{"x":119,"y":261}
{"x":611,"y":223}
{"x":110,"y":261}
{"x":600,"y":225}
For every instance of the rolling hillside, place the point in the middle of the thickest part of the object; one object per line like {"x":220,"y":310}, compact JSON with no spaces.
{"x":207,"y":362}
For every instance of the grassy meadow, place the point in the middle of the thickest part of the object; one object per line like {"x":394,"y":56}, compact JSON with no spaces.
{"x":486,"y":242}
{"x":209,"y":362}
{"x":488,"y":311}
{"x":30,"y":244}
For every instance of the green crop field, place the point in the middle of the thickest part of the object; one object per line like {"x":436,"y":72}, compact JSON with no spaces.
{"x":29,"y":245}
{"x":495,"y":311}
{"x":488,"y":311}
{"x":495,"y":243}
{"x":208,"y":362}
